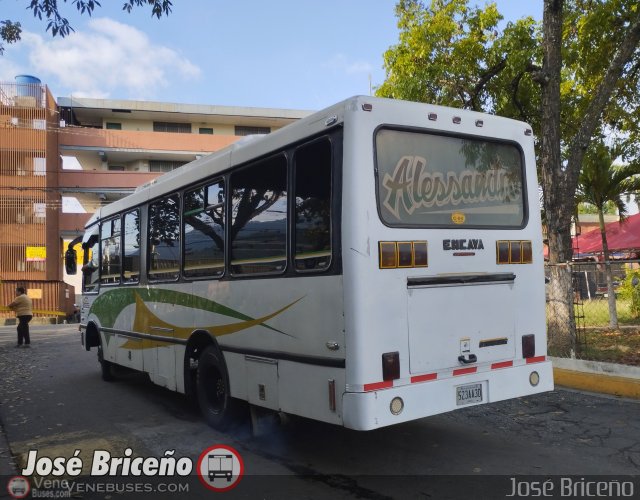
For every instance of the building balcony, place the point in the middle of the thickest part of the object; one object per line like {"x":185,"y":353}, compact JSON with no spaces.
{"x":124,"y":145}
{"x":19,"y":138}
{"x":71,"y":181}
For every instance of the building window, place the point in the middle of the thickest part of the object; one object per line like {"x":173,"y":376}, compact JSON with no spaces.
{"x":259,"y":211}
{"x":164,"y":238}
{"x":242,"y":130}
{"x":116,"y":168}
{"x":39,"y":166}
{"x":176,"y":128}
{"x":205,"y":130}
{"x":164,"y":166}
{"x":39,"y":213}
{"x":113,"y":126}
{"x":203,"y":221}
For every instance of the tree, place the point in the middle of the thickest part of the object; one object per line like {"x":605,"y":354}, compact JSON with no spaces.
{"x":50,"y":10}
{"x":599,"y":183}
{"x":573,"y":76}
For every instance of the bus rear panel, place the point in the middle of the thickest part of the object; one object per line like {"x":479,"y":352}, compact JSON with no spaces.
{"x":443,"y":264}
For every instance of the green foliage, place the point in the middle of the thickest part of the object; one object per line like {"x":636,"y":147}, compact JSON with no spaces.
{"x":631,"y":292}
{"x":58,"y":25}
{"x":9,"y":32}
{"x":588,"y":208}
{"x":452,"y":54}
{"x":603,"y":183}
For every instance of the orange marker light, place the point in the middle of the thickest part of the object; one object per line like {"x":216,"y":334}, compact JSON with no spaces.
{"x":502,"y":248}
{"x":388,"y":255}
{"x":420,"y":258}
{"x":527,"y":252}
{"x":405,"y":257}
{"x":515,"y":256}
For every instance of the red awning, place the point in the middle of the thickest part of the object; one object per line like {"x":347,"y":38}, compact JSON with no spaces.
{"x":621,"y":237}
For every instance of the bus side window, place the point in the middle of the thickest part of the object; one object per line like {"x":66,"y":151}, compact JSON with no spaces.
{"x":203,"y":226}
{"x":259,"y":211}
{"x":131,"y":247}
{"x":110,"y":246}
{"x":91,"y":267}
{"x":164,"y":238}
{"x":313,"y":206}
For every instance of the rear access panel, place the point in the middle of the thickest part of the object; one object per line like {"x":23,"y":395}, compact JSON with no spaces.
{"x":453,"y":319}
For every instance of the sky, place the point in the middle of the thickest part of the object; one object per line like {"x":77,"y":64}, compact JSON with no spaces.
{"x":292,"y":54}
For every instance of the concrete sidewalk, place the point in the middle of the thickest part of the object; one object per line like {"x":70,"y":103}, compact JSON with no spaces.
{"x":594,"y":376}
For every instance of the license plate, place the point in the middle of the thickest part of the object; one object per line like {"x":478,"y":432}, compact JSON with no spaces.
{"x":467,"y":394}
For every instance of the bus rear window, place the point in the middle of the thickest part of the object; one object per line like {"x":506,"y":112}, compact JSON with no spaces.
{"x":430,"y":180}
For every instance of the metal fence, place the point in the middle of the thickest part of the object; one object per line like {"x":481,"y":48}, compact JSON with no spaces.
{"x":595,"y":335}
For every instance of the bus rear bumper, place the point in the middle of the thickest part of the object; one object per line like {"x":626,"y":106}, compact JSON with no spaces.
{"x":371,"y":410}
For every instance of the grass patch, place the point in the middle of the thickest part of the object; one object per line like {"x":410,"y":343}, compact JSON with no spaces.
{"x":618,"y":346}
{"x":596,"y":313}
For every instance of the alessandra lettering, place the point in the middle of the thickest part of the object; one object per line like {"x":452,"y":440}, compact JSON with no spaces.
{"x":411,"y":186}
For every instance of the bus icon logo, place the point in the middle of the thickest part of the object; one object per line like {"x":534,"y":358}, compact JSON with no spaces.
{"x":220,"y":468}
{"x":18,"y":487}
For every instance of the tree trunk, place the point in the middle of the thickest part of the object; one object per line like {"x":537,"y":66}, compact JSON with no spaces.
{"x":613,"y":313}
{"x":560,"y":181}
{"x":558,"y":205}
{"x":561,"y":323}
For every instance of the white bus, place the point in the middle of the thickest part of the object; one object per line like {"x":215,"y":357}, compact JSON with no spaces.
{"x":376,"y":262}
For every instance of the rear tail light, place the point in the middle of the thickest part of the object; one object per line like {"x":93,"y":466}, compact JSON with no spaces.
{"x":390,"y":366}
{"x":528,"y":346}
{"x":514,"y":252}
{"x":402,"y":254}
{"x":388,"y":254}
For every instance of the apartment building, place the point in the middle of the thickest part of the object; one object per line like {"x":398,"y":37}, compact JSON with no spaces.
{"x":61,"y":160}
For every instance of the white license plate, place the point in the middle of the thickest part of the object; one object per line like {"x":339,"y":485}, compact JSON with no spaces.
{"x":467,"y":394}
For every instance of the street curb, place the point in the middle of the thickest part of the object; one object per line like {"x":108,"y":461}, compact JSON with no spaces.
{"x":593,"y":376}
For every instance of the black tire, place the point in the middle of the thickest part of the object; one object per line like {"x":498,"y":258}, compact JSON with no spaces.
{"x":218,"y":408}
{"x":105,"y":366}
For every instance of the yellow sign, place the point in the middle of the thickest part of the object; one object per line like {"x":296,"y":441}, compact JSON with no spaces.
{"x":34,"y":293}
{"x":36,"y":254}
{"x":458,"y":218}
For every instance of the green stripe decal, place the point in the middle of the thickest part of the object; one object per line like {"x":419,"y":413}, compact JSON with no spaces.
{"x":108,"y":306}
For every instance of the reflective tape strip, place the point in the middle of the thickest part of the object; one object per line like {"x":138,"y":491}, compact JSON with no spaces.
{"x":538,"y":359}
{"x":504,"y":364}
{"x":424,"y":378}
{"x":465,"y":371}
{"x":378,"y":385}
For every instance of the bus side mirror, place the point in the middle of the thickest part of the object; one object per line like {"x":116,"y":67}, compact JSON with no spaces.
{"x":71,"y":261}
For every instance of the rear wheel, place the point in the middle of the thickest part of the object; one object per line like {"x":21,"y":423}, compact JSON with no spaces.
{"x":218,"y":408}
{"x":105,"y":366}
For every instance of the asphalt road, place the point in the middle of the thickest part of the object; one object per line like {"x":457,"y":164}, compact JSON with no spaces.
{"x":53,"y":400}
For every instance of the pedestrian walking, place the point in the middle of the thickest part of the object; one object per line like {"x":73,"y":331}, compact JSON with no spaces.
{"x":24,"y":312}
